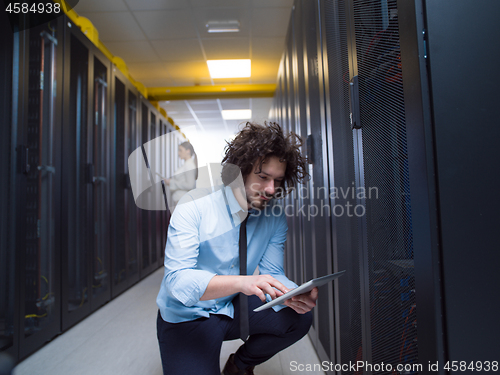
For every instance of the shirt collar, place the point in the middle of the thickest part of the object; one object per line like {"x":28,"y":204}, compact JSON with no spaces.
{"x":234,"y":206}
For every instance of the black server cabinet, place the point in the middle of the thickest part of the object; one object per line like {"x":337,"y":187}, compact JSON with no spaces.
{"x":148,"y":222}
{"x":165,"y":156}
{"x":299,"y":124}
{"x":86,"y":205}
{"x":296,"y":244}
{"x":300,"y":107}
{"x":409,"y":144}
{"x":100,"y":171}
{"x":9,"y":319}
{"x":309,"y":251}
{"x":388,"y":308}
{"x":449,"y":59}
{"x":349,"y":54}
{"x":125,"y":140}
{"x":156,"y":218}
{"x":61,"y":180}
{"x":317,"y":256}
{"x":339,"y":135}
{"x":35,"y":136}
{"x":131,"y":209}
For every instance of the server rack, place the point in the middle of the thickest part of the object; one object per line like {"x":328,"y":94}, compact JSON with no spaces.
{"x":156,"y":227}
{"x":455,"y":162}
{"x":35,"y":133}
{"x":321,"y":260}
{"x":390,"y":76}
{"x":8,"y":273}
{"x":300,"y":86}
{"x":165,"y":129}
{"x":86,"y":199}
{"x":126,"y":259}
{"x":148,"y":222}
{"x":58,"y":254}
{"x":341,"y":177}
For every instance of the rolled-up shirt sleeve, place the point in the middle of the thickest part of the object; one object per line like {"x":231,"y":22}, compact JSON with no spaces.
{"x":184,"y":281}
{"x":272,"y":260}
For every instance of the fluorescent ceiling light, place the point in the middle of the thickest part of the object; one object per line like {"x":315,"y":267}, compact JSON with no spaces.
{"x":229,"y":68}
{"x":236,"y":114}
{"x":223,"y":26}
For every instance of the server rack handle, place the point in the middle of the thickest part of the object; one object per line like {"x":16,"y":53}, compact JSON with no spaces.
{"x":23,"y":159}
{"x":89,"y":175}
{"x":354,"y":103}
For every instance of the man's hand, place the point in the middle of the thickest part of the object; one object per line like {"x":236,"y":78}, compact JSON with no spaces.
{"x":260,"y":285}
{"x":303,"y":302}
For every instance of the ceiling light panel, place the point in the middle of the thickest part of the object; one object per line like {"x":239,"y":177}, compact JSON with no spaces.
{"x":236,"y":114}
{"x":229,"y":68}
{"x":223,"y":26}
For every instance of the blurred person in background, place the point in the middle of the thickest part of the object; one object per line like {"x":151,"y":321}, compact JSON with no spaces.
{"x":184,"y":179}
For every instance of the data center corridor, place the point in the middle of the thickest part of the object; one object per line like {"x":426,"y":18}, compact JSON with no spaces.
{"x":120,"y":338}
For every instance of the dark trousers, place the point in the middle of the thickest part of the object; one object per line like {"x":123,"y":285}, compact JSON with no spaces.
{"x":193,"y":347}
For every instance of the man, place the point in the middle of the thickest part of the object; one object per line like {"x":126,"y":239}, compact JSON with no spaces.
{"x":197,"y":305}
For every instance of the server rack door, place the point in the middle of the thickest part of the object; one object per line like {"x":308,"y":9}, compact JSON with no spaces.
{"x":40,"y":301}
{"x":131,"y":210}
{"x":99,"y":160}
{"x":155,"y":215}
{"x":289,"y":245}
{"x":382,"y":185}
{"x":144,"y":217}
{"x":421,"y":163}
{"x":127,"y":217}
{"x":150,"y":218}
{"x":165,"y":215}
{"x":77,"y":229}
{"x":452,"y":159}
{"x":319,"y":212}
{"x":347,"y":310}
{"x":303,"y":128}
{"x":294,"y":271}
{"x":299,"y":127}
{"x":8,"y":311}
{"x":120,"y":247}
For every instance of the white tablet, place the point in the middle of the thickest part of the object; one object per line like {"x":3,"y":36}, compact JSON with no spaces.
{"x":304,"y":288}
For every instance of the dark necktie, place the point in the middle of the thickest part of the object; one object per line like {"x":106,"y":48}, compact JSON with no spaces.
{"x":244,"y":328}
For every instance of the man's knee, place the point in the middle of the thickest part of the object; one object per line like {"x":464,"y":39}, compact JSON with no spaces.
{"x":299,"y":324}
{"x":304,"y":323}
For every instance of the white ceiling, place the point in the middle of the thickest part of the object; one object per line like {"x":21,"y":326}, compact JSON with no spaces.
{"x":165,"y":43}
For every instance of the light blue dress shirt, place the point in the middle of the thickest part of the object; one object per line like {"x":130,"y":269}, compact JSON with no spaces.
{"x":202,"y":242}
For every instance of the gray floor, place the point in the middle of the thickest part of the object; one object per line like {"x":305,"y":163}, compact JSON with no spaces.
{"x":120,"y":338}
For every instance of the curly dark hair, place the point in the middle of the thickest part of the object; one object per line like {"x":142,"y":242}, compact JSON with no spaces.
{"x":256,"y":141}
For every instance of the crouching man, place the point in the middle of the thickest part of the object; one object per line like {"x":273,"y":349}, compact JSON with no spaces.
{"x":203,"y":296}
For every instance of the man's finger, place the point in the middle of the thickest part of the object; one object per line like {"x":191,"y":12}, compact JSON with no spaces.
{"x":314,"y":293}
{"x":279,"y":293}
{"x":261,"y":295}
{"x":268,"y":289}
{"x":300,"y":305}
{"x":278,"y":285}
{"x":298,"y":308}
